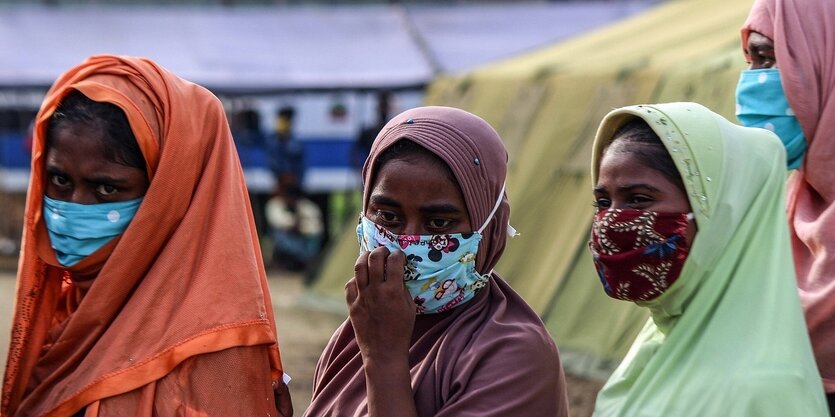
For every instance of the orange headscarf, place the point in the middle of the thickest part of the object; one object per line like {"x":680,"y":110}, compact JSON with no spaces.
{"x":179,"y":315}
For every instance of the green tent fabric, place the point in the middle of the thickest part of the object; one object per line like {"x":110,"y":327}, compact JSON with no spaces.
{"x":547,"y":106}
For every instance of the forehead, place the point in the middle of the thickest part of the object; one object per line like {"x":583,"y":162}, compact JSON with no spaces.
{"x":620,"y":167}
{"x":77,"y":137}
{"x":758,"y":40}
{"x":417,"y":164}
{"x":416,"y":179}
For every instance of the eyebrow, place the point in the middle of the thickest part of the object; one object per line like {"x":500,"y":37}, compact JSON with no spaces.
{"x":758,"y":46}
{"x":630,"y":187}
{"x":104,"y":179}
{"x":383,"y":200}
{"x":440,"y":208}
{"x":101,"y":179}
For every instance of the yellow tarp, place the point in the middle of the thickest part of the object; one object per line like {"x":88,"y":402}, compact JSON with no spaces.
{"x":546,"y":105}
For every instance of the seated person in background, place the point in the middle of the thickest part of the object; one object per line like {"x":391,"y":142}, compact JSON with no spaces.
{"x":295,"y":227}
{"x":432,"y":329}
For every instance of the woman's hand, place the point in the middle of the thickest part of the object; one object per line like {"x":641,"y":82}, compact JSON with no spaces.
{"x":379,"y":306}
{"x":383,"y":316}
{"x":283,"y":403}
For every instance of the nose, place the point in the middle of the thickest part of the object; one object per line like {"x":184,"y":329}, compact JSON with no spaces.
{"x":613,"y":205}
{"x":81,"y":196}
{"x":412,"y":228}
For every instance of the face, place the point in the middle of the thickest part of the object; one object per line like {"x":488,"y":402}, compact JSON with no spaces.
{"x":416,"y":197}
{"x":77,"y":170}
{"x":626,"y":183}
{"x":760,"y":50}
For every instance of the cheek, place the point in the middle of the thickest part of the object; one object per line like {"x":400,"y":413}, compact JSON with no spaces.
{"x":691,"y":232}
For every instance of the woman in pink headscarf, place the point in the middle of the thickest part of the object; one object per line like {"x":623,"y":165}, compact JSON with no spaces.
{"x":789,"y":88}
{"x":432,"y":329}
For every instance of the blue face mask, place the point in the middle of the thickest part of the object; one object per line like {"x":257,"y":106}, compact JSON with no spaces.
{"x":761,"y":102}
{"x":440,"y":269}
{"x":78,"y":230}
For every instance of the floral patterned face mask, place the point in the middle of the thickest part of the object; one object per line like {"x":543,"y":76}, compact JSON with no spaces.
{"x":638,"y":254}
{"x":440,"y":269}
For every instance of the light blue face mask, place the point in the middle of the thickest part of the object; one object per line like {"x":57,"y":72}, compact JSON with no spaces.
{"x":761,"y":102}
{"x":77,"y":230}
{"x":440,"y":269}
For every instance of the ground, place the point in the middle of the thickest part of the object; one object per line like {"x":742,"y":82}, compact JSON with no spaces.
{"x":303,"y":333}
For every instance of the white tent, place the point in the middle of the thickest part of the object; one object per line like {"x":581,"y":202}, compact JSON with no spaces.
{"x":275,"y":49}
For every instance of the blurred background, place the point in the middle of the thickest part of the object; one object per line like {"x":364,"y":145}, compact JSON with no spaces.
{"x":308,"y":84}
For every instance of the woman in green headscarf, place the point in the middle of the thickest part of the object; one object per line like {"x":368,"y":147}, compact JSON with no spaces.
{"x":691,"y":224}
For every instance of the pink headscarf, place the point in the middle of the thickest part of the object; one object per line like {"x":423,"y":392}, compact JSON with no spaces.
{"x":804,"y":43}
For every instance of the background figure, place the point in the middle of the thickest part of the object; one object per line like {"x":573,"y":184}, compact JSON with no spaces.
{"x":249,"y":139}
{"x":362,"y":146}
{"x":793,"y":40}
{"x":246,"y":128}
{"x":295,"y":227}
{"x":285,"y":152}
{"x":287,"y":163}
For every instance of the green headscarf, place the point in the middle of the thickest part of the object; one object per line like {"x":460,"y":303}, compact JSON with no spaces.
{"x":728,"y":337}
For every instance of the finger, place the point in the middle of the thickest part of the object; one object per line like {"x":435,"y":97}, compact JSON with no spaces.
{"x":395,"y":263}
{"x":351,"y":291}
{"x":283,"y":402}
{"x":377,"y":265}
{"x":361,"y":271}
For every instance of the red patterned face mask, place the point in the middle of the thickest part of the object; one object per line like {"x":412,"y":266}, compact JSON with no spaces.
{"x":638,"y":254}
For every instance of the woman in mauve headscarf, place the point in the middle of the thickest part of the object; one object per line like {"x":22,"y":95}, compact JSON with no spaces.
{"x":141,"y":289}
{"x":691,"y":224}
{"x":790,"y":89}
{"x":446,"y":336}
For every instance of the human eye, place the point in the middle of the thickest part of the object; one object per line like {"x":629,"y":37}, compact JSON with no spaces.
{"x":765,"y":60}
{"x":761,"y":58}
{"x":439,"y":225}
{"x":601,"y":204}
{"x":59,"y":180}
{"x":106,"y":190}
{"x":639,"y":200}
{"x":385,"y":218}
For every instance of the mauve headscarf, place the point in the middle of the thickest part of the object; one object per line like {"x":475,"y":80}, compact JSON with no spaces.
{"x":803,"y":32}
{"x":490,"y":356}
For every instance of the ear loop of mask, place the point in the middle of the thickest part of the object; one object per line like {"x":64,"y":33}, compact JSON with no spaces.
{"x":511,"y":232}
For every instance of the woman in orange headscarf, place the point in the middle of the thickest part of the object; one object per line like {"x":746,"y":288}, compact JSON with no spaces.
{"x":141,"y":289}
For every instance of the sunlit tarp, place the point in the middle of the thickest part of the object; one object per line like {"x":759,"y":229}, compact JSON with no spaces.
{"x":275,"y":49}
{"x":547,"y":105}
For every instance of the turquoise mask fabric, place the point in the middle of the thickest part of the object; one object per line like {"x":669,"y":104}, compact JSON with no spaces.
{"x":77,"y":230}
{"x":440,"y":269}
{"x":761,"y":102}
